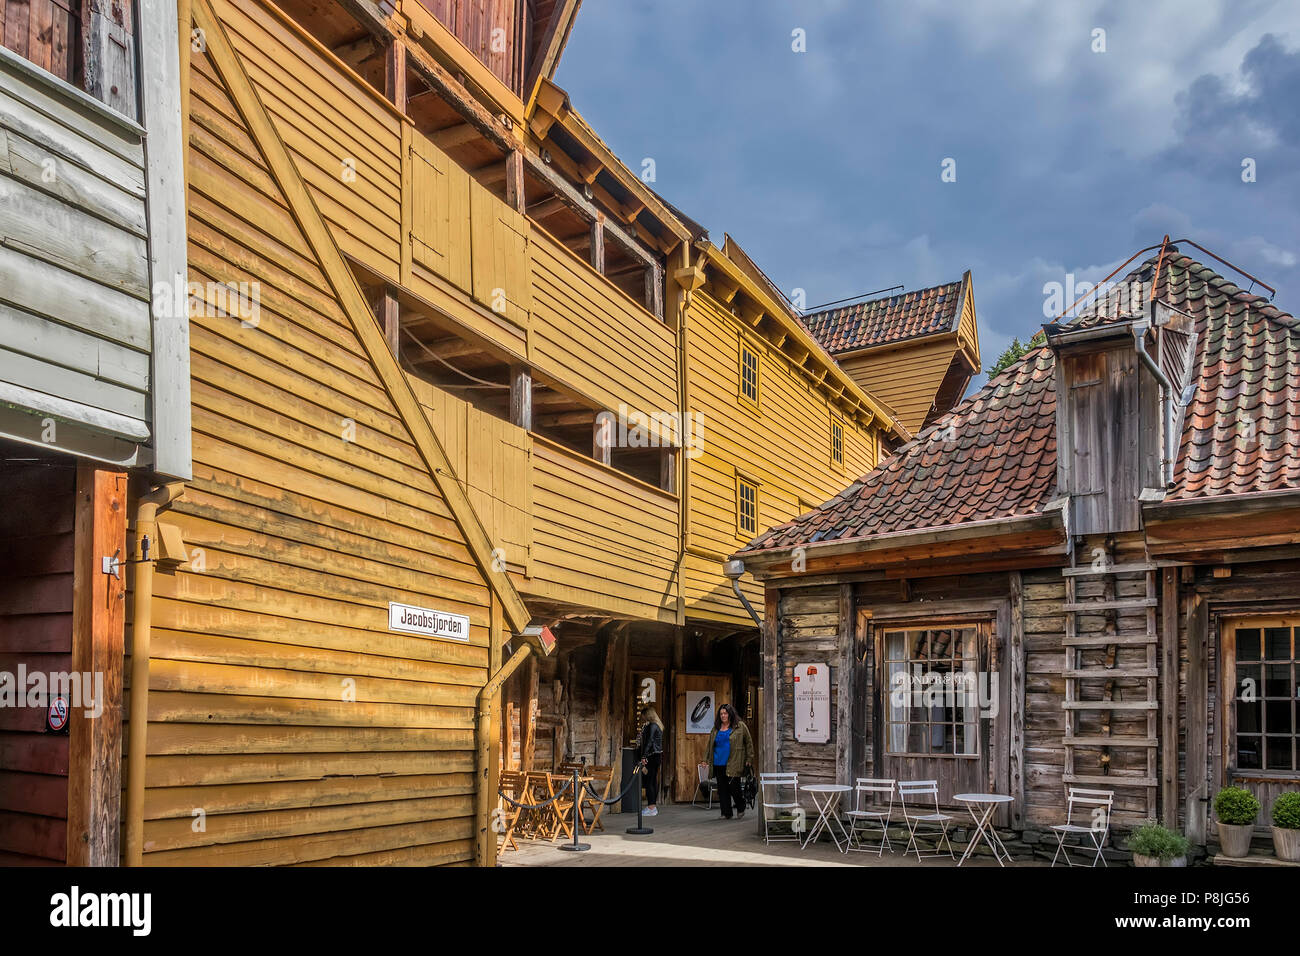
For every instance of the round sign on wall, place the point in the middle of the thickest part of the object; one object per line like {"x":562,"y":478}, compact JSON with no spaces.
{"x":57,"y":718}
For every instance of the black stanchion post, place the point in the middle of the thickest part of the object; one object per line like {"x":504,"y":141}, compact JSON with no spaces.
{"x":640,"y":829}
{"x":577,"y":818}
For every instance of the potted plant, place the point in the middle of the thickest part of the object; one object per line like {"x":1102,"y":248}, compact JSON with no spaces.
{"x":1236,"y":808}
{"x":1154,"y":845}
{"x":1286,"y":827}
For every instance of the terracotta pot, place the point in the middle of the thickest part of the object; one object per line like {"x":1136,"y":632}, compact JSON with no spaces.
{"x":1234,"y":839}
{"x":1140,"y":860}
{"x":1286,"y":844}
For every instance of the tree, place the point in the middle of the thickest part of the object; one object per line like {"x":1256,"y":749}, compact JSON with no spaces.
{"x":1013,"y":354}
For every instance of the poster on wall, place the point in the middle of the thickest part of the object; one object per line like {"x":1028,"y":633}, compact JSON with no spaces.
{"x":812,"y":703}
{"x":699,"y":711}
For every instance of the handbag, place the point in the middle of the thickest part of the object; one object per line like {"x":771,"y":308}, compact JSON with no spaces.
{"x":748,"y":786}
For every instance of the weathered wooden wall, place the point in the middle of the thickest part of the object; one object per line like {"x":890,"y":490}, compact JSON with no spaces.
{"x":75,"y":289}
{"x":36,"y":594}
{"x":43,"y":31}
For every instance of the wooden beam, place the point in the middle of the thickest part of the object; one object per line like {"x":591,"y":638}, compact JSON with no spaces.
{"x":436,"y":76}
{"x":1169,"y":698}
{"x":550,"y":45}
{"x":844,"y":680}
{"x":598,"y":245}
{"x":1197,"y":624}
{"x":387,"y":314}
{"x":528,"y":713}
{"x":395,"y":74}
{"x":515,"y":180}
{"x":602,"y":440}
{"x":654,"y":290}
{"x":98,"y":640}
{"x":771,"y":681}
{"x":454,"y":136}
{"x":563,"y":187}
{"x":1016,"y":721}
{"x":584,"y":416}
{"x":521,"y":397}
{"x":546,"y":207}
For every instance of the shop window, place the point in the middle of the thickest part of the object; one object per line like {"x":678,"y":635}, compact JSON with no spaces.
{"x":932,"y":691}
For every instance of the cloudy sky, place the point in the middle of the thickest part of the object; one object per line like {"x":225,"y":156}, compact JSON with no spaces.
{"x":826,"y":164}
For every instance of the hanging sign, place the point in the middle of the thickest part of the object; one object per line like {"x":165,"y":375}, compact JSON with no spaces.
{"x":812,"y":703}
{"x":427,"y":621}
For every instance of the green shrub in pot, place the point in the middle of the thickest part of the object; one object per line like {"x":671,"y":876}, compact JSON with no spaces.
{"x":1155,"y":845}
{"x":1237,"y":810}
{"x":1286,"y":827}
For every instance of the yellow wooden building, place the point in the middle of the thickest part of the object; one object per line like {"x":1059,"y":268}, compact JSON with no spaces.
{"x":490,"y":383}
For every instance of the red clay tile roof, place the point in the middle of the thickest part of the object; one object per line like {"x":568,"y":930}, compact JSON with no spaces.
{"x":994,"y":455}
{"x":908,"y":315}
{"x":1241,"y":432}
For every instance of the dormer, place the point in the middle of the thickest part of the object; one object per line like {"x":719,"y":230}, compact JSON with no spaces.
{"x":1121,"y":371}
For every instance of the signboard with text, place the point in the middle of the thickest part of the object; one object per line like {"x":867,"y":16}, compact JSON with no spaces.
{"x":427,"y":621}
{"x":812,"y":703}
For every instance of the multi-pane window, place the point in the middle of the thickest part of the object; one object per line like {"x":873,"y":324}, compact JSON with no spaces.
{"x":1265,"y":692}
{"x":837,"y":443}
{"x":749,"y":374}
{"x":931,"y":690}
{"x":746,"y":507}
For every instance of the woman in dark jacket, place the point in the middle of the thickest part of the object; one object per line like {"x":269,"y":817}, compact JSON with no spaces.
{"x":651,"y":746}
{"x":731,"y":750}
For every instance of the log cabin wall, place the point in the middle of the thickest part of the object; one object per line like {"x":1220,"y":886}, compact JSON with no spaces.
{"x":36,"y":599}
{"x":1210,"y":600}
{"x":809,"y":633}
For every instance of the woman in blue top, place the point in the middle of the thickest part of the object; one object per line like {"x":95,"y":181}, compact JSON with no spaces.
{"x":731,"y":750}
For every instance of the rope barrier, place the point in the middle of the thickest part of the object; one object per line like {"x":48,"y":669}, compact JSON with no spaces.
{"x":536,"y":806}
{"x":615,"y":799}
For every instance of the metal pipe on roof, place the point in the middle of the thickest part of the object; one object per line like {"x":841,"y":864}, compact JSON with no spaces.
{"x":1166,"y":456}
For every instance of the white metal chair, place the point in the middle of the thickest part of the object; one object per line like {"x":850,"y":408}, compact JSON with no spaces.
{"x":707,"y":784}
{"x":867,"y":813}
{"x":779,"y":793}
{"x":920,"y":813}
{"x":1097,"y":805}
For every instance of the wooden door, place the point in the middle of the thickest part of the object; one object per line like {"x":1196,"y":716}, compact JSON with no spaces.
{"x":925,"y":729}
{"x":689,"y":748}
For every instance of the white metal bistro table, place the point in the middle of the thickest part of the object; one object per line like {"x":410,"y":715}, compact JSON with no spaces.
{"x":827,"y":796}
{"x":981,"y":807}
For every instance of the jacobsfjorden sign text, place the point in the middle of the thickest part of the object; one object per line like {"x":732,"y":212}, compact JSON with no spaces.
{"x":427,"y":621}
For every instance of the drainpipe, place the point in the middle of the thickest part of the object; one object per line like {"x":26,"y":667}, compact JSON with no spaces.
{"x":1167,"y":452}
{"x":146,"y":536}
{"x":734,"y":569}
{"x":483,"y":749}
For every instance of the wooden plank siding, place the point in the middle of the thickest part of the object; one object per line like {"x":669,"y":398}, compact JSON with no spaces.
{"x":906,"y":378}
{"x":602,"y":538}
{"x":75,"y":290}
{"x":589,"y":335}
{"x":36,"y":609}
{"x":784,"y":445}
{"x":345,"y":139}
{"x":281,"y":706}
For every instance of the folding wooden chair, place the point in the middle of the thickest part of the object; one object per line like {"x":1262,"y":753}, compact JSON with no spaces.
{"x":917,"y":789}
{"x":1097,"y":805}
{"x":779,"y":793}
{"x":513,"y":783}
{"x":564,"y":808}
{"x":867,"y":814}
{"x":602,"y":781}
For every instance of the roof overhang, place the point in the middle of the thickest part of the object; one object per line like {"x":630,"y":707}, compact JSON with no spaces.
{"x":1019,"y":541}
{"x":1209,"y":529}
{"x":792,"y":338}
